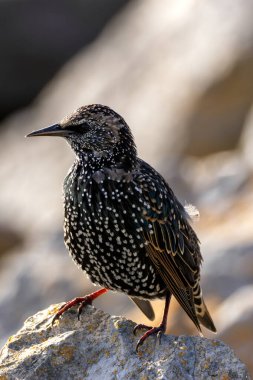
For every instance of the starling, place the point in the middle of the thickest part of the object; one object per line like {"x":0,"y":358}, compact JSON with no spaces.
{"x":123,"y":225}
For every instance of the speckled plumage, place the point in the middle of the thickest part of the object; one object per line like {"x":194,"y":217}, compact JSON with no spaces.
{"x":104,"y":229}
{"x":123,"y":224}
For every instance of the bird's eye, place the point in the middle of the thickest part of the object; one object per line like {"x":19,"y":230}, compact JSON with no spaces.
{"x":80,"y":128}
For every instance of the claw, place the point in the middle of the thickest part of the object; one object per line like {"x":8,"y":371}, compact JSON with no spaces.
{"x":66,"y":306}
{"x":140,"y":327}
{"x":158,"y":331}
{"x":58,"y":314}
{"x":55,"y":318}
{"x":139,"y":343}
{"x":159,"y":336}
{"x":87,"y":301}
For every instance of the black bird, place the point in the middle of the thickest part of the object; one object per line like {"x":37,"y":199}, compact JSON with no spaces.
{"x":123,"y":224}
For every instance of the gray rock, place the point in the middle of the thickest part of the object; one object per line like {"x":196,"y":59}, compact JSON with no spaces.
{"x":9,"y":239}
{"x":101,"y":346}
{"x":227,"y":269}
{"x":42,"y":274}
{"x":32,"y":35}
{"x":160,"y":73}
{"x":175,"y":76}
{"x":31,"y":278}
{"x":161,"y":85}
{"x":234,"y":321}
{"x":217,"y":179}
{"x":247,"y":140}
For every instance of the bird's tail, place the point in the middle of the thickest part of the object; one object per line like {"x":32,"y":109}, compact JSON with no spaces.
{"x":201,"y":310}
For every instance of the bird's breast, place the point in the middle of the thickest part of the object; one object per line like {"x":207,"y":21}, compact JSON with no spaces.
{"x":98,"y":213}
{"x":103,"y":233}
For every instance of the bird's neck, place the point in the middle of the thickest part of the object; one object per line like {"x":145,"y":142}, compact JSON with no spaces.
{"x":98,"y":160}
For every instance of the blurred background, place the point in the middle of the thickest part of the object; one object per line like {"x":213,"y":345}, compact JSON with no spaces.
{"x":181,"y":73}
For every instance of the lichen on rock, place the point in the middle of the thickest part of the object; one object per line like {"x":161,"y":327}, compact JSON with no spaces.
{"x":103,"y":346}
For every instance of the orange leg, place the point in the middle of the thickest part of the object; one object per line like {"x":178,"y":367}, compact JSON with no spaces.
{"x":82,"y":301}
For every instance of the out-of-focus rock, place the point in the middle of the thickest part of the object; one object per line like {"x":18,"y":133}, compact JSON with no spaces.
{"x":43,"y":272}
{"x":101,"y":346}
{"x":228,"y":269}
{"x":153,"y":64}
{"x":37,"y":38}
{"x":217,"y":179}
{"x":160,"y":66}
{"x":164,"y":62}
{"x":9,"y":239}
{"x":246,"y":143}
{"x":31,"y":276}
{"x":234,"y":320}
{"x":220,"y":113}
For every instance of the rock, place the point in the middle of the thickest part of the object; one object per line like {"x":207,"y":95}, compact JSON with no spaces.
{"x":40,"y":273}
{"x":32,"y":275}
{"x":160,"y":66}
{"x":183,"y":100}
{"x":101,"y":346}
{"x":217,"y":179}
{"x":227,"y":269}
{"x":246,"y":142}
{"x":234,"y":321}
{"x":9,"y":239}
{"x":157,"y":87}
{"x":32,"y":40}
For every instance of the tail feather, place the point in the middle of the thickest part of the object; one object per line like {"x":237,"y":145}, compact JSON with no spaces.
{"x":201,"y":310}
{"x":204,"y":317}
{"x":145,"y":306}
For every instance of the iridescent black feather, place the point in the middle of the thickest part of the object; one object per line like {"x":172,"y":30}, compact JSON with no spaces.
{"x":123,"y":224}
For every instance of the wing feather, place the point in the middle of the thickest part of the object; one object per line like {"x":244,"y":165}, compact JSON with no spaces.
{"x":172,"y":245}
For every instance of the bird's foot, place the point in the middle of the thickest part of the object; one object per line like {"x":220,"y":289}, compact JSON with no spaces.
{"x":158,"y":331}
{"x":81,"y":301}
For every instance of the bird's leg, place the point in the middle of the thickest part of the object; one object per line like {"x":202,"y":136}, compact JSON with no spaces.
{"x":158,"y":331}
{"x":82,"y":301}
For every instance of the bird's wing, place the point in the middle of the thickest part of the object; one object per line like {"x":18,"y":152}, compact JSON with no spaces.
{"x":171,"y":243}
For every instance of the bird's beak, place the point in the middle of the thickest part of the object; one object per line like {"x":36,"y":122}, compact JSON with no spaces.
{"x":53,"y":130}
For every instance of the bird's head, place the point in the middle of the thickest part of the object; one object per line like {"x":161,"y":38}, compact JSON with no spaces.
{"x":94,"y":130}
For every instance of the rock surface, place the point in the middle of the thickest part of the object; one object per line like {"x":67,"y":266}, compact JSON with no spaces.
{"x":101,"y":346}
